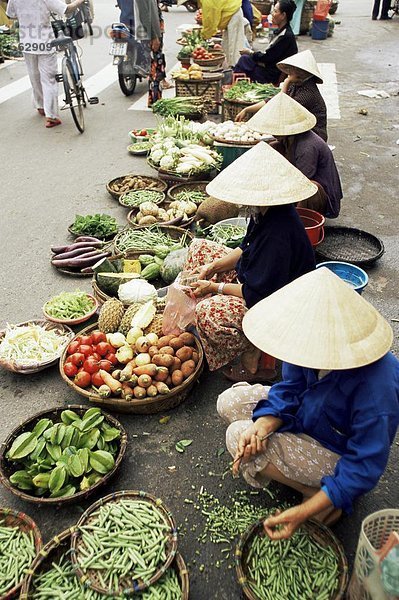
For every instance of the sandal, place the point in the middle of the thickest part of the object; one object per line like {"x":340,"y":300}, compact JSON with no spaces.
{"x":238,"y":373}
{"x":53,"y":123}
{"x":41,"y":112}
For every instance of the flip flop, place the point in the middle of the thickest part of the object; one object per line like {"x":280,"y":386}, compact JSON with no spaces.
{"x":238,"y":373}
{"x":53,"y":123}
{"x":41,"y":112}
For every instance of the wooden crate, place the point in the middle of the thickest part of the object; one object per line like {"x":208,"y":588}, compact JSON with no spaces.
{"x":209,"y":88}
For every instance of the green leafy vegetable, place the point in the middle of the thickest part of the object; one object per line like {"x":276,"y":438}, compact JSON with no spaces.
{"x":97,"y":225}
{"x":245,"y":91}
{"x":183,"y":105}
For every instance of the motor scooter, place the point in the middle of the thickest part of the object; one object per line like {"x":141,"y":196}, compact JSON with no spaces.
{"x":191,"y":5}
{"x":132,"y":58}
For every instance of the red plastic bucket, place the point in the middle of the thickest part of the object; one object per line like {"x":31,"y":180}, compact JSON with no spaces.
{"x":313,"y":223}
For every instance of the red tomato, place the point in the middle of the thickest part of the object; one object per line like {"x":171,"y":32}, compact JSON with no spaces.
{"x":104,"y":348}
{"x":70,"y":370}
{"x":143,"y":132}
{"x":85,"y":349}
{"x":96,"y":379}
{"x":97,"y":337}
{"x":105,"y":365}
{"x":82,"y":379}
{"x":86,"y":340}
{"x":112,"y":358}
{"x":78,"y":359}
{"x":73,"y":347}
{"x":95,"y":355}
{"x":91,"y":365}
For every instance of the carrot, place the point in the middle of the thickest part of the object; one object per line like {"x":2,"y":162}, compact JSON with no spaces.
{"x":112,"y":383}
{"x":144,"y":381}
{"x":150,"y":370}
{"x":127,"y":392}
{"x":127,"y":371}
{"x":139,"y":392}
{"x":161,"y":387}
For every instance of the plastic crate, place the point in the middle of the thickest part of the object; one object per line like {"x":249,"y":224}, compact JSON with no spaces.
{"x":209,"y":88}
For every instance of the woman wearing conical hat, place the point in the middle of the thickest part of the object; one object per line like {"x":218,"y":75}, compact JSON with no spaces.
{"x":301,"y":85}
{"x":291,"y":124}
{"x":275,"y":251}
{"x":332,"y":419}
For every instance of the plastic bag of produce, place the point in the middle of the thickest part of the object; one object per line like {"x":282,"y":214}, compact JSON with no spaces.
{"x":179,"y":311}
{"x":173,"y":264}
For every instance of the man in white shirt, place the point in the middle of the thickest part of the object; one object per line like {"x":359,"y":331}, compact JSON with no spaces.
{"x":35,"y":35}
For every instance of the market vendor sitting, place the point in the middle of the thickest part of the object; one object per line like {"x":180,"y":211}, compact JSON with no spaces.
{"x":291,"y":124}
{"x":275,"y":251}
{"x":262,"y":66}
{"x":301,"y":85}
{"x":333,"y":417}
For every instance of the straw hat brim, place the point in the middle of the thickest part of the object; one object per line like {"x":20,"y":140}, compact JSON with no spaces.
{"x":304,"y":61}
{"x":261,"y":177}
{"x":318,"y":321}
{"x":282,"y":115}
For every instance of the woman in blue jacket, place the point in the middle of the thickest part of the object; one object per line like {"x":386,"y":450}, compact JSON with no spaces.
{"x":333,"y":417}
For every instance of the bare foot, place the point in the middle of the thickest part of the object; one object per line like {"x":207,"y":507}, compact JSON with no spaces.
{"x":250,"y":360}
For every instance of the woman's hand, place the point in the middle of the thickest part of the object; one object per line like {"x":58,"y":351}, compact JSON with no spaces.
{"x":155,"y":44}
{"x":207,"y":271}
{"x":245,"y":52}
{"x":288,"y":522}
{"x":202,"y":288}
{"x":250,"y":442}
{"x":241,"y":115}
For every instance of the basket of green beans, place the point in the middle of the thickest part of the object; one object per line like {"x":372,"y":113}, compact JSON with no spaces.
{"x":194,"y":191}
{"x":124,"y":543}
{"x":149,"y":238}
{"x":20,"y":541}
{"x":309,"y":565}
{"x":52,"y":576}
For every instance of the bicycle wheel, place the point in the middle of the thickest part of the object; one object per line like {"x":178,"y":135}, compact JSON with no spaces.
{"x":73,"y":95}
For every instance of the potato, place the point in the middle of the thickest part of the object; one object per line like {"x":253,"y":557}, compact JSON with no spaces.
{"x":169,"y":381}
{"x":184,"y":353}
{"x":166,"y":350}
{"x":164,"y":340}
{"x":139,"y":392}
{"x":162,"y":374}
{"x":144,"y":381}
{"x":176,"y":343}
{"x":188,"y":368}
{"x":176,"y":364}
{"x":153,"y":350}
{"x":177,"y":377}
{"x":187,"y":338}
{"x":163,"y":360}
{"x":195,"y":357}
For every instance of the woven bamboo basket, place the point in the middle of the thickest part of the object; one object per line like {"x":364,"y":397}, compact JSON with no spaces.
{"x":134,"y":586}
{"x":153,"y":183}
{"x":27,"y":369}
{"x":319,"y":532}
{"x":60,"y":544}
{"x":210,"y":87}
{"x":12,"y":518}
{"x":7,"y":467}
{"x":173,"y":223}
{"x":159,"y":200}
{"x":106,"y":238}
{"x":307,"y":16}
{"x":142,"y":406}
{"x":231,"y":108}
{"x":173,"y":180}
{"x":217,"y":60}
{"x":187,"y":187}
{"x":176,"y":233}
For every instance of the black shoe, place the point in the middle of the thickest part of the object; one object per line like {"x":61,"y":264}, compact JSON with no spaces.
{"x":373,"y":18}
{"x":385,"y":18}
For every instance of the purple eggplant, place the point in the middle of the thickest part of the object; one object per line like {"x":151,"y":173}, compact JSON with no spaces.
{"x":79,"y":262}
{"x":76,"y":252}
{"x":87,"y":238}
{"x":76,"y":246}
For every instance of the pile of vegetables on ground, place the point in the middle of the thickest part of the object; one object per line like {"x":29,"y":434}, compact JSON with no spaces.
{"x":230,"y":131}
{"x":176,"y":212}
{"x":17,"y":551}
{"x":69,"y":305}
{"x":79,"y":256}
{"x":57,"y":459}
{"x":125,"y":357}
{"x":246,"y":91}
{"x":33,"y":343}
{"x":181,"y":105}
{"x":188,"y":160}
{"x":98,"y":225}
{"x":134,"y":182}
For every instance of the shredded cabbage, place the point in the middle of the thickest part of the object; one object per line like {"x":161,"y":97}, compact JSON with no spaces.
{"x":29,"y":344}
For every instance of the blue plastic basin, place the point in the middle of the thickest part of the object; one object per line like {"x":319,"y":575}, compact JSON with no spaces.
{"x":351,"y":274}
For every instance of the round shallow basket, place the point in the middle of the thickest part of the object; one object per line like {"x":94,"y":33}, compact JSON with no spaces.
{"x":103,"y":238}
{"x":143,"y":406}
{"x":194,"y":186}
{"x":7,"y":467}
{"x":35,"y":367}
{"x":141,"y":152}
{"x":176,"y":233}
{"x":71,"y":272}
{"x":61,"y":544}
{"x":152,"y":183}
{"x":172,"y":223}
{"x":76,"y":321}
{"x":348,"y":244}
{"x":216,"y":61}
{"x":172,"y":179}
{"x":234,"y":142}
{"x":160,"y":198}
{"x":353,"y":275}
{"x":319,"y":532}
{"x":12,"y":518}
{"x":91,"y":578}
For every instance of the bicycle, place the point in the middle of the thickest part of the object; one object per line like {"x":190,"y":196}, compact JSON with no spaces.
{"x":394,"y":8}
{"x":76,"y":97}
{"x":87,"y":15}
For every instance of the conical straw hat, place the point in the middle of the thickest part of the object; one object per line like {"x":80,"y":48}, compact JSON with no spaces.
{"x":261,"y":177}
{"x":282,"y":116}
{"x":304,"y":61}
{"x":319,"y":322}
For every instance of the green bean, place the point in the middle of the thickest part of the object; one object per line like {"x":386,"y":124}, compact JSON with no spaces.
{"x":146,"y":239}
{"x":191,"y":195}
{"x":137,"y":197}
{"x":17,"y":551}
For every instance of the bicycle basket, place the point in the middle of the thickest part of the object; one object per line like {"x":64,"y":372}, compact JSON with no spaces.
{"x":74,"y":26}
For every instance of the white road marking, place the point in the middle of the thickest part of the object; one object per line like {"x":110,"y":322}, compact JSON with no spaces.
{"x":98,"y":82}
{"x":14,"y":89}
{"x":7,"y":63}
{"x":329,"y":89}
{"x":141,"y":103}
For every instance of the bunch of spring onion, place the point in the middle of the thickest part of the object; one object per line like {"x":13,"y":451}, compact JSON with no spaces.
{"x":245,"y":91}
{"x":184,"y":105}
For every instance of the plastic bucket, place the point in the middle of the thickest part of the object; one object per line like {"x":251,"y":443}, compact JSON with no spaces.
{"x":230,"y":153}
{"x":351,"y":274}
{"x":320,"y":30}
{"x":313,"y":223}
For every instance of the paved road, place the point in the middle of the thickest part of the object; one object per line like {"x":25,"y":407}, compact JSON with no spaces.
{"x":50,"y":175}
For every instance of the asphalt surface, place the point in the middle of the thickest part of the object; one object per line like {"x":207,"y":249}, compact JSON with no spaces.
{"x":49,"y":176}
